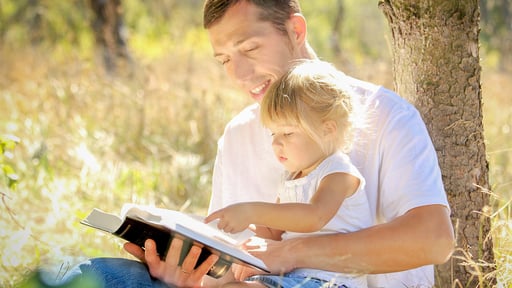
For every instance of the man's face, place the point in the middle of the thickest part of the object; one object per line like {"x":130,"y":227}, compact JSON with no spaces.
{"x":253,"y":52}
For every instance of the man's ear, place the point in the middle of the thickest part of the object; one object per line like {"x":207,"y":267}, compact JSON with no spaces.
{"x":330,"y":128}
{"x":297,"y":29}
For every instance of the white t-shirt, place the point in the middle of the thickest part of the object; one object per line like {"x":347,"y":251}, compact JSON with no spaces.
{"x":353,"y":214}
{"x":394,"y":153}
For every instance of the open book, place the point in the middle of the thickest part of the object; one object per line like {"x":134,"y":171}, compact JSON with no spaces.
{"x":137,"y":223}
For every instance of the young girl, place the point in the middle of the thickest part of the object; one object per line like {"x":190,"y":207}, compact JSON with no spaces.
{"x":311,"y":116}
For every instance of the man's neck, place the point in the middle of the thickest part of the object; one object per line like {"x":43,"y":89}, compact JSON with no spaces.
{"x":309,"y":53}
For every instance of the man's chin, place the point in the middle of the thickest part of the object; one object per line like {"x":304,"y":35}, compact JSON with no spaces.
{"x":257,"y":97}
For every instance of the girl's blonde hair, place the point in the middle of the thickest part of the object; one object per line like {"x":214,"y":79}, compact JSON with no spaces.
{"x":309,"y":94}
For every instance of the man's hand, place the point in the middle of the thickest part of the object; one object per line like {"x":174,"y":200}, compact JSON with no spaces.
{"x":272,"y":253}
{"x":169,"y":270}
{"x":240,"y":272}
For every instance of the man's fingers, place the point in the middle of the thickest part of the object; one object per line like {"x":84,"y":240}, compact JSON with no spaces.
{"x":248,"y":272}
{"x":190,"y":261}
{"x":174,"y":252}
{"x":155,"y":264}
{"x":150,"y":249}
{"x":207,"y":265}
{"x":135,"y":250}
{"x":255,"y":244}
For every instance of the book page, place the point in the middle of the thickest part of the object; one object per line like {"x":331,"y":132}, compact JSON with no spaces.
{"x":102,"y":220}
{"x":238,"y":238}
{"x":194,"y":222}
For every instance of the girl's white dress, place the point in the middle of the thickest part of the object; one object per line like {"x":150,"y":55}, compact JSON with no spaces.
{"x":354,"y":213}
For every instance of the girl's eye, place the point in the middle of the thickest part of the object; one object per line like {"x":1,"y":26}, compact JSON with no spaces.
{"x":288,"y":134}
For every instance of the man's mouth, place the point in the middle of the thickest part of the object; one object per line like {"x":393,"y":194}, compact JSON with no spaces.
{"x":260,"y":89}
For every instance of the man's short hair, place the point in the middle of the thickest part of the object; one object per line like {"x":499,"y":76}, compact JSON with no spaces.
{"x":275,"y":11}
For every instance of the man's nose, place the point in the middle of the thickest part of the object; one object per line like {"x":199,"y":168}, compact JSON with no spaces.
{"x":242,"y":68}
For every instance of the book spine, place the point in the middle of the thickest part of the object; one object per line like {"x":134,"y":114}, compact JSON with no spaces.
{"x":138,"y":232}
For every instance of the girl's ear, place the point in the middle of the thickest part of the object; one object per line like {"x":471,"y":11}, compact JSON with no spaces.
{"x":330,"y":128}
{"x":297,"y":29}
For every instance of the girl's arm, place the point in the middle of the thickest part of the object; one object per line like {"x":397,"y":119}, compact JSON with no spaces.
{"x":295,"y":217}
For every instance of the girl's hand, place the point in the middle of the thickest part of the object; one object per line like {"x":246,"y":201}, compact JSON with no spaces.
{"x":233,"y":218}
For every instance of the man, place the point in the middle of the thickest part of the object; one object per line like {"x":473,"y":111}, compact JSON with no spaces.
{"x":257,"y":41}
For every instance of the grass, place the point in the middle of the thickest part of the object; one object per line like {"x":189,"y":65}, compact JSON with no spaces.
{"x":90,"y":140}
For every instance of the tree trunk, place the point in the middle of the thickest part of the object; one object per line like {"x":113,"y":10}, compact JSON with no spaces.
{"x":336,"y":28}
{"x":436,"y":67}
{"x":108,"y":27}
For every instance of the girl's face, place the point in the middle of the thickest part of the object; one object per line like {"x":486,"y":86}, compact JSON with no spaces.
{"x":295,"y":149}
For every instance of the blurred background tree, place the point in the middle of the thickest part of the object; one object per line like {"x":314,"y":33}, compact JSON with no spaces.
{"x":496,"y":34}
{"x":110,"y":32}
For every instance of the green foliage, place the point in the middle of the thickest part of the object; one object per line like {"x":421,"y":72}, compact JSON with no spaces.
{"x":363,"y":32}
{"x":37,"y":280}
{"x":50,"y":22}
{"x":154,"y":27}
{"x":7,"y":145}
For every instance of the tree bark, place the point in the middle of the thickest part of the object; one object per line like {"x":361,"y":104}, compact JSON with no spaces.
{"x":108,"y":26}
{"x":436,"y":67}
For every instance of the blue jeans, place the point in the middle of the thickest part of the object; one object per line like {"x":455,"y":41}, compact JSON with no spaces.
{"x":112,"y":273}
{"x":289,"y":280}
{"x":126,"y":273}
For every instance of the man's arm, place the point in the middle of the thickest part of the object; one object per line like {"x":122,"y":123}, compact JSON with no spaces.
{"x":422,"y":236}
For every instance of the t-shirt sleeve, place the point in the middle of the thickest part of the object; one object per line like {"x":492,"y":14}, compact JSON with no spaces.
{"x":410,"y":174}
{"x":216,"y":195}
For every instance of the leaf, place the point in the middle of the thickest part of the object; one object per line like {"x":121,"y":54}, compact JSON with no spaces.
{"x":12,"y":176}
{"x":9,"y":141}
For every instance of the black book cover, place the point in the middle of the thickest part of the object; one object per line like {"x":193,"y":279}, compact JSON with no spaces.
{"x":138,"y":223}
{"x":137,"y":232}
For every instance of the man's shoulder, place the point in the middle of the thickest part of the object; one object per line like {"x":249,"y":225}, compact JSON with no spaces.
{"x":376,"y":95}
{"x":382,"y":103}
{"x":247,"y":116}
{"x":361,"y":87}
{"x":245,"y":124}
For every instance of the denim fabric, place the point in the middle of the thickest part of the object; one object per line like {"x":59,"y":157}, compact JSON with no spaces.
{"x":125,"y":273}
{"x":292,"y":281}
{"x":114,"y":273}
